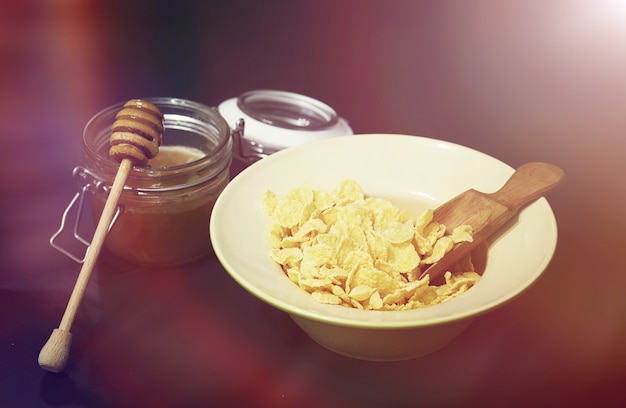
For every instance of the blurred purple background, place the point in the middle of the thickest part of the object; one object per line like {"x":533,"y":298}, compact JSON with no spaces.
{"x":519,"y":80}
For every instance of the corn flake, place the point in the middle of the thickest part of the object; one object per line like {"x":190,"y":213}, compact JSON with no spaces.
{"x":348,"y":249}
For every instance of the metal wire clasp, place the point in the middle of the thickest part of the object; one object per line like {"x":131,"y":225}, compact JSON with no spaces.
{"x":87,"y":182}
{"x":247,"y":150}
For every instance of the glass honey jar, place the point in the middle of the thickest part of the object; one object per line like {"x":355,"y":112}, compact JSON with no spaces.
{"x":163,"y":213}
{"x":165,"y":207}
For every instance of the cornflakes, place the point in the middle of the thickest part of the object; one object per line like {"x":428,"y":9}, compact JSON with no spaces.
{"x":348,"y":249}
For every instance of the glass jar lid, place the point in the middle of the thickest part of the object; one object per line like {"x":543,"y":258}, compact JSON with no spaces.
{"x":266,"y":121}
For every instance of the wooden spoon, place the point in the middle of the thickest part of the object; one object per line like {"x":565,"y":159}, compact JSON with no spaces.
{"x":487,"y":213}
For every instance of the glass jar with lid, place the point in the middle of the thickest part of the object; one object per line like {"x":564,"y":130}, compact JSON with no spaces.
{"x":164,"y":210}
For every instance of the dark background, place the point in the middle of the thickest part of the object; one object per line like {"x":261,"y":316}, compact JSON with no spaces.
{"x":519,"y":80}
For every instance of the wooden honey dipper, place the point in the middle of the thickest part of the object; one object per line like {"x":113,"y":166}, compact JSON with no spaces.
{"x":135,"y":138}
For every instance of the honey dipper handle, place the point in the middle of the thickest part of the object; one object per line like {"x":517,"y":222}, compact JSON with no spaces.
{"x":54,"y":354}
{"x":529,"y":182}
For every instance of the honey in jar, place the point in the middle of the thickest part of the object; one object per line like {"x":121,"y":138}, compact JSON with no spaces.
{"x":166,"y":205}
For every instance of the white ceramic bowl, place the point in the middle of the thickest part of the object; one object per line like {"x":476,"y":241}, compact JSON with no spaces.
{"x":414,"y":172}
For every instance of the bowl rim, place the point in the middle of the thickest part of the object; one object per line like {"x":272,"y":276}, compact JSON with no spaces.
{"x":373,"y":319}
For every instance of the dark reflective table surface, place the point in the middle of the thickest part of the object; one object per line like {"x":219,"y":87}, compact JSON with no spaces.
{"x":520,"y":81}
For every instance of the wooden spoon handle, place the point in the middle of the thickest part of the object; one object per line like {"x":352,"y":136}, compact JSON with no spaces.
{"x":487,"y":213}
{"x":529,"y":182}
